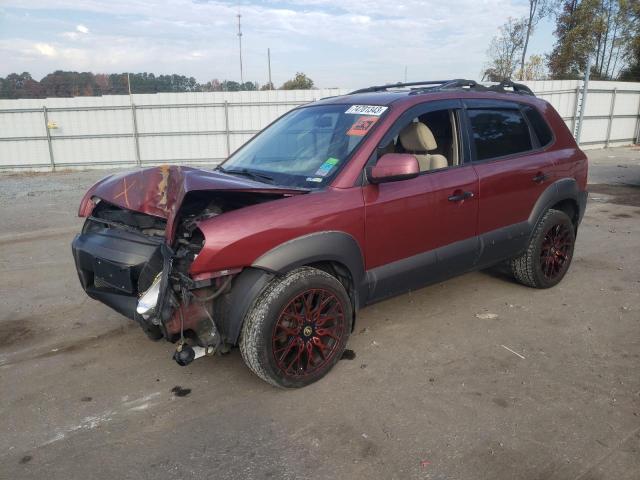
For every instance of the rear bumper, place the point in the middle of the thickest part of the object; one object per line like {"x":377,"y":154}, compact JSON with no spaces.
{"x":116,"y":266}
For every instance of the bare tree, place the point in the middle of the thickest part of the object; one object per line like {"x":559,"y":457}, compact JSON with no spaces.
{"x":538,"y":9}
{"x":504,"y":50}
{"x":533,"y":69}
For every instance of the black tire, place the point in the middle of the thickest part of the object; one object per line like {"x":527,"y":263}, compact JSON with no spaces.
{"x":548,"y":255}
{"x":279,"y":328}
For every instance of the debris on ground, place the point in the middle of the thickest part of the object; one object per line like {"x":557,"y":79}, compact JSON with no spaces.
{"x":348,"y":355}
{"x":515,"y":353}
{"x":486,"y":316}
{"x":178,"y":391}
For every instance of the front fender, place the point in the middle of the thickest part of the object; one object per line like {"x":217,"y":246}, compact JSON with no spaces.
{"x":331,"y":246}
{"x":312,"y":248}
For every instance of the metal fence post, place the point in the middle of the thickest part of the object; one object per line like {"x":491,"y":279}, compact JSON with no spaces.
{"x":583,"y":103}
{"x":637,"y":133}
{"x":611,"y":110}
{"x":135,"y":132}
{"x":226,"y":127}
{"x":574,"y":120}
{"x":46,"y":127}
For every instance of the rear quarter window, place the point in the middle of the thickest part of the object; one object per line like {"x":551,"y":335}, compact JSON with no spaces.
{"x":498,"y":132}
{"x":539,"y":125}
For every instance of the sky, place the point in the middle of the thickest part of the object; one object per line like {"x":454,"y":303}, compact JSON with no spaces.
{"x":338,"y":43}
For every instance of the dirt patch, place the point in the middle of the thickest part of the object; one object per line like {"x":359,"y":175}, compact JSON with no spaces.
{"x":619,"y":194}
{"x":14,"y":331}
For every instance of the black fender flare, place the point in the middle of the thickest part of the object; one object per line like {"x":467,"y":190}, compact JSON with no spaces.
{"x":315,"y":247}
{"x":558,"y":191}
{"x":328,"y":246}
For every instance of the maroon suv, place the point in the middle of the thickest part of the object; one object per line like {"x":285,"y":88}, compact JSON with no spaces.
{"x":334,"y":206}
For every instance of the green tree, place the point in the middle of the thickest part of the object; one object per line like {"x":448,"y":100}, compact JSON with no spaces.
{"x":631,"y":52}
{"x":599,"y":29}
{"x":299,"y":82}
{"x":20,"y":86}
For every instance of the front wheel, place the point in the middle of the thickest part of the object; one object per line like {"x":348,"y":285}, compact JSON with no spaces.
{"x":549,"y":253}
{"x":297,"y":329}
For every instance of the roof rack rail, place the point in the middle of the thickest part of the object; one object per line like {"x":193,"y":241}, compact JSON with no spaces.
{"x":380,"y":88}
{"x":439,"y":85}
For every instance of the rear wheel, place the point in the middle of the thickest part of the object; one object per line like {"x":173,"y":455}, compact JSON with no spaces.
{"x":549,"y":253}
{"x":297,"y":329}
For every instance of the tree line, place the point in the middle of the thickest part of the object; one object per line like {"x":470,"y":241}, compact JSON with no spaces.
{"x":606,"y":32}
{"x":82,"y":84}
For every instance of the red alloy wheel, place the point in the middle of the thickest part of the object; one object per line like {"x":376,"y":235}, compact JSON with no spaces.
{"x":308,"y":332}
{"x":556,"y":250}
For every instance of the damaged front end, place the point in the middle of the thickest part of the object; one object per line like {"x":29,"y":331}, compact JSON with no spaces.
{"x":138,"y":263}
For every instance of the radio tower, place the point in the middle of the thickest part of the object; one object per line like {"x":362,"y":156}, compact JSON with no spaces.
{"x":240,"y":43}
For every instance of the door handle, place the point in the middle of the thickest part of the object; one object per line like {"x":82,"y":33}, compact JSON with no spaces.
{"x":540,"y":177}
{"x":458,"y":197}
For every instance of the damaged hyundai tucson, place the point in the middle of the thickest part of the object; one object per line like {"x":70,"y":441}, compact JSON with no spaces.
{"x":334,"y":206}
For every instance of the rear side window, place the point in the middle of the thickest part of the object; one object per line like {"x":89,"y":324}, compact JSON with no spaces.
{"x":539,"y":125}
{"x":497,"y":133}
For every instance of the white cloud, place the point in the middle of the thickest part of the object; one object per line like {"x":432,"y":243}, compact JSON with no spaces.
{"x":45,"y":49}
{"x":337,"y":42}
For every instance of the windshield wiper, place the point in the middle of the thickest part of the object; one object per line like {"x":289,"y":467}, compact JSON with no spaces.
{"x":245,"y":172}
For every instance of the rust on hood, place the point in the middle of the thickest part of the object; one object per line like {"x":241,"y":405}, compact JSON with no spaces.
{"x":159,"y":191}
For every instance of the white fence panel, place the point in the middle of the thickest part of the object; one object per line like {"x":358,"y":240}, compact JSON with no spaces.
{"x":205,"y":127}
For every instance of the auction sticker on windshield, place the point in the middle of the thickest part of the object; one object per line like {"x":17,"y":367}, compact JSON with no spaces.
{"x":362,"y":126}
{"x":376,"y":110}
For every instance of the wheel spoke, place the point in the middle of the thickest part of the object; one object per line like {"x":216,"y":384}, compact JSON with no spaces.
{"x":308,"y":332}
{"x":555,"y":250}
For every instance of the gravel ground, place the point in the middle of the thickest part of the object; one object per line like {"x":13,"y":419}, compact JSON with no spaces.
{"x":477,"y":377}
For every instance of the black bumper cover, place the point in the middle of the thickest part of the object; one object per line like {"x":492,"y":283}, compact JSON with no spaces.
{"x":114,"y":266}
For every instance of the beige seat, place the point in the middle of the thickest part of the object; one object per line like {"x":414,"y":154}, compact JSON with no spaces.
{"x":418,"y":139}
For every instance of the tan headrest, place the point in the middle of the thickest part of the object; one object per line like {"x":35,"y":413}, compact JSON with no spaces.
{"x":416,"y":137}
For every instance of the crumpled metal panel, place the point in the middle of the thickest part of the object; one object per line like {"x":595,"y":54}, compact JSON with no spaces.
{"x":159,"y":191}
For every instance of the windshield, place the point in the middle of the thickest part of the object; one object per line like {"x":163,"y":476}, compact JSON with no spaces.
{"x":307,"y":147}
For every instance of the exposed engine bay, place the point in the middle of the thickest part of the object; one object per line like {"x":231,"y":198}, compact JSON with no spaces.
{"x":125,"y":261}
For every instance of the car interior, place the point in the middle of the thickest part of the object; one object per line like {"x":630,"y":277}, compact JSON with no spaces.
{"x":432,"y":138}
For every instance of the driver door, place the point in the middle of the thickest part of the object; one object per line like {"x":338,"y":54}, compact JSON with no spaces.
{"x":422,"y":230}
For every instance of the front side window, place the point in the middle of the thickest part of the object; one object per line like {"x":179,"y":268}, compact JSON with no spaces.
{"x":431,"y":137}
{"x":497,"y":132}
{"x":307,"y":147}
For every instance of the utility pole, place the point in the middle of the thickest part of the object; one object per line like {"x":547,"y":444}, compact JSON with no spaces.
{"x":269,"y":62}
{"x":240,"y":43}
{"x":405,"y":74}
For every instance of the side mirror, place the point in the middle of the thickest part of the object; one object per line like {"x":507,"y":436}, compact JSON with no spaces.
{"x":392,"y":167}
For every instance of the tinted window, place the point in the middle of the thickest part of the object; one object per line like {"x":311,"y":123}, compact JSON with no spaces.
{"x":539,"y":125}
{"x":499,"y":132}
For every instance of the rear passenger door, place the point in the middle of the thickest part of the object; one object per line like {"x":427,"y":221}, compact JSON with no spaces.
{"x":513,"y":170}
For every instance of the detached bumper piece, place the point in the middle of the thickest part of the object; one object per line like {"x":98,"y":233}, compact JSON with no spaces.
{"x":117,"y":267}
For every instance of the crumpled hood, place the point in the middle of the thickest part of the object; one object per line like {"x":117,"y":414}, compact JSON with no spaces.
{"x":159,"y":191}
